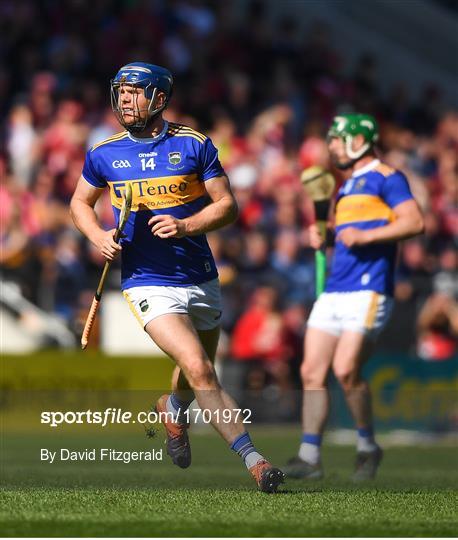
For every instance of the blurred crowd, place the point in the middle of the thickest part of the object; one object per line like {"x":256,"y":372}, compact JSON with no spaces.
{"x":265,"y":96}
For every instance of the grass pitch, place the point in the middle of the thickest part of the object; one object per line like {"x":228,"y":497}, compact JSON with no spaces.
{"x":414,"y":495}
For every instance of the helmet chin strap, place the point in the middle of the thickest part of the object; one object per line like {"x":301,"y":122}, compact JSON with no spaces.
{"x":355,"y":154}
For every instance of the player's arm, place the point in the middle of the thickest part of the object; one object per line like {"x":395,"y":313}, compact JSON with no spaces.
{"x":221,"y":211}
{"x":408,"y":222}
{"x":408,"y":219}
{"x":85,"y":219}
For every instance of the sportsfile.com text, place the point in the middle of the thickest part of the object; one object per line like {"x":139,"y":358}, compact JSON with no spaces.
{"x":113,"y":415}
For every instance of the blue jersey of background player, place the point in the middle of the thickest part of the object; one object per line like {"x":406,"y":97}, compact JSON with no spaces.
{"x":366,"y":202}
{"x":374,"y":210}
{"x":169,"y":278}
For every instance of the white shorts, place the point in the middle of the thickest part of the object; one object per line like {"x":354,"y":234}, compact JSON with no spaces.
{"x":201,"y":302}
{"x":366,"y":312}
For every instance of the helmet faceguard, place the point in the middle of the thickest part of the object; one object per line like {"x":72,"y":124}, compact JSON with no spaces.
{"x":347,"y":126}
{"x":151,"y":79}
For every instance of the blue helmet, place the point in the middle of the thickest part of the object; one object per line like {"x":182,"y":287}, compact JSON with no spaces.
{"x":152,"y":79}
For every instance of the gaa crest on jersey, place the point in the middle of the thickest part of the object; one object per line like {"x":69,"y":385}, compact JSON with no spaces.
{"x":174,"y":158}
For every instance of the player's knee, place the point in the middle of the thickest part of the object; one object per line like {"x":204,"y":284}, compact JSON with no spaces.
{"x":348,"y":378}
{"x":201,"y":375}
{"x":310,"y":376}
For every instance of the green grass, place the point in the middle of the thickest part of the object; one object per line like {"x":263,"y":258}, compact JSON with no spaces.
{"x":414,"y":495}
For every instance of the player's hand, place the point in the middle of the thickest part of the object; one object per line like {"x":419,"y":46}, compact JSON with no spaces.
{"x":352,"y":237}
{"x":315,"y":238}
{"x":107,"y":246}
{"x":166,"y":226}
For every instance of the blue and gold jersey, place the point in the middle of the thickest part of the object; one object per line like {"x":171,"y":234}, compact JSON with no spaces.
{"x":365,"y":201}
{"x":167,"y":174}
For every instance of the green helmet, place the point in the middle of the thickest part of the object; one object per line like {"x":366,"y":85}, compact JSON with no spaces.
{"x":347,"y":126}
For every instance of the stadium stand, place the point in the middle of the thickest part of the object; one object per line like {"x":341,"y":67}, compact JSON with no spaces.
{"x":264,"y":91}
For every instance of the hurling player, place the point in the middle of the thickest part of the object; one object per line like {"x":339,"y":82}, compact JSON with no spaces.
{"x":169,"y":277}
{"x":374,"y":210}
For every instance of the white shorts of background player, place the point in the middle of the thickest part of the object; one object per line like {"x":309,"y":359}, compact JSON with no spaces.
{"x":366,"y":312}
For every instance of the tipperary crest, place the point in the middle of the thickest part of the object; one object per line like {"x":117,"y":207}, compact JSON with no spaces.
{"x":360,"y":183}
{"x":174,"y":158}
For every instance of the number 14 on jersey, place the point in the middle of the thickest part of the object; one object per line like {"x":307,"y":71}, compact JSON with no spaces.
{"x":148,"y":164}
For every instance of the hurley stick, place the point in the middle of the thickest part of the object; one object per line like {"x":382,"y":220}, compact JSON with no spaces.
{"x":319,"y":185}
{"x":123,"y":216}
